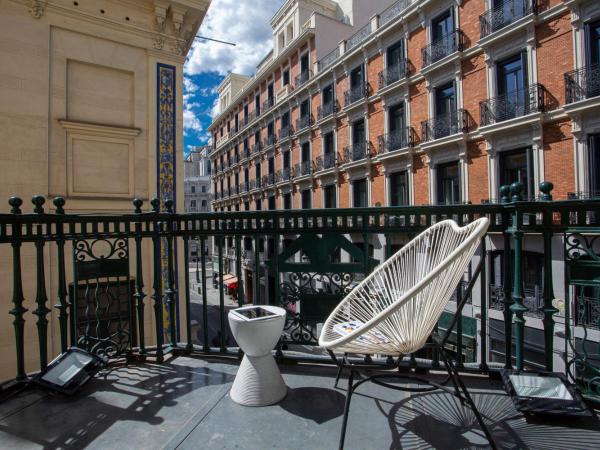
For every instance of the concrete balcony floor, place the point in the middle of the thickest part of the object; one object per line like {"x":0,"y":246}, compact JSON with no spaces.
{"x":184,"y":403}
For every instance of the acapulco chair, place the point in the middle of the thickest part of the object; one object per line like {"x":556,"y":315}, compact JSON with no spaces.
{"x":395,"y":309}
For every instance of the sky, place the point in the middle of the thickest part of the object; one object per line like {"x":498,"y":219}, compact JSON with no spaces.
{"x":243,"y":22}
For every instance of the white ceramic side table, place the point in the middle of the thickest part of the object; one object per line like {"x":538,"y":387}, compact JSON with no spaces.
{"x":257,"y":329}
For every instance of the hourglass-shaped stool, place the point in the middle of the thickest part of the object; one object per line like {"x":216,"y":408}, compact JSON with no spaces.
{"x":257,"y":329}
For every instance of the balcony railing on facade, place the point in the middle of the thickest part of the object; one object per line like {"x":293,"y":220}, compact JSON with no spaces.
{"x":355,"y":94}
{"x":503,"y":15}
{"x":513,"y":104}
{"x":283,"y":175}
{"x":445,"y":46}
{"x":304,"y":168}
{"x":396,"y":140}
{"x":254,"y":184}
{"x":164,"y":230}
{"x":245,"y":153}
{"x":257,"y":147}
{"x":328,"y":59}
{"x":393,"y":73}
{"x":302,"y":78}
{"x":303,"y":122}
{"x":268,"y":104}
{"x":582,"y":84}
{"x":326,"y":161}
{"x":270,"y":141}
{"x":326,"y":110}
{"x":356,"y":152}
{"x":445,"y":125}
{"x":393,"y":11}
{"x":268,"y":180}
{"x":533,"y":299}
{"x":244,"y":187}
{"x":358,"y":38}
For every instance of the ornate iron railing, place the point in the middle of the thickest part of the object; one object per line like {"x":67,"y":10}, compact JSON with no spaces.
{"x":445,"y":46}
{"x":284,"y":133}
{"x":326,"y":110}
{"x":303,"y":122}
{"x":582,"y":83}
{"x":328,"y":59}
{"x":256,"y":148}
{"x":513,"y":104}
{"x":393,"y":11}
{"x":267,"y":180}
{"x":271,"y":140}
{"x":305,"y":168}
{"x":302,"y":78}
{"x":246,"y":153}
{"x":445,"y":125}
{"x":396,"y":141}
{"x":504,"y":14}
{"x":359,"y":37}
{"x":325,"y":162}
{"x":357,"y":152}
{"x":283,"y":175}
{"x":151,"y":237}
{"x":267,"y":104}
{"x":393,"y":73}
{"x":355,"y":94}
{"x":244,"y":186}
{"x":533,"y":300}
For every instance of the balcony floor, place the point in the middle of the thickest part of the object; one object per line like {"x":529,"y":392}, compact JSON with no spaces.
{"x":184,"y":403}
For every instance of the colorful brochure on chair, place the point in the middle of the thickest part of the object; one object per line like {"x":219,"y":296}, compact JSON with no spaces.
{"x":370,"y":337}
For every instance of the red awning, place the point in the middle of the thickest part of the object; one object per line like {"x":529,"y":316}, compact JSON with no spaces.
{"x":231,"y":283}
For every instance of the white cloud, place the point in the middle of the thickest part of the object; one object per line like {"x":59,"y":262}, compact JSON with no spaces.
{"x":245,"y":23}
{"x":191,"y":121}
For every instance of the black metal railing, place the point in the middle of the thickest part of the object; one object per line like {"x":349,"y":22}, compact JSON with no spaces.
{"x":244,"y":187}
{"x":445,"y":125}
{"x":271,"y":140}
{"x":582,"y":83}
{"x":303,"y":122}
{"x":146,"y":241}
{"x":393,"y":11}
{"x":283,"y":175}
{"x":254,"y":184}
{"x":506,"y":13}
{"x":451,"y":43}
{"x":513,"y":104}
{"x":328,"y":59}
{"x":357,"y":152}
{"x":284,"y":133}
{"x":584,"y":195}
{"x":246,"y":152}
{"x":326,"y":161}
{"x":533,"y":299}
{"x":359,"y":37}
{"x":267,"y":104}
{"x":302,"y":78}
{"x":396,"y":140}
{"x":268,"y":180}
{"x":326,"y":110}
{"x":305,"y":168}
{"x":355,"y":94}
{"x":393,"y":73}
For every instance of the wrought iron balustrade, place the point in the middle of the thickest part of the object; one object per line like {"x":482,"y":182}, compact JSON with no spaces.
{"x":533,"y":300}
{"x":254,"y":184}
{"x":328,"y":59}
{"x":582,"y":83}
{"x":326,"y":110}
{"x":283,"y":175}
{"x":396,"y":140}
{"x":245,"y":186}
{"x":268,"y":104}
{"x":303,"y":122}
{"x":357,"y":152}
{"x":305,"y":168}
{"x":393,"y":73}
{"x":355,"y":94}
{"x":325,"y":162}
{"x":445,"y":125}
{"x":284,"y":133}
{"x":513,"y":104}
{"x":267,"y":180}
{"x":359,"y":37}
{"x":257,"y":147}
{"x":393,"y":11}
{"x":271,"y":140}
{"x":246,"y":153}
{"x":445,"y":46}
{"x":146,"y":241}
{"x":302,"y":78}
{"x":504,"y":14}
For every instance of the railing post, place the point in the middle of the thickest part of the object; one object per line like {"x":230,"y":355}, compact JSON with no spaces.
{"x":484,"y":305}
{"x":238,"y":269}
{"x":517,"y":306}
{"x":157,"y":281}
{"x":223,"y":345}
{"x":40,"y":297}
{"x":170,"y":291}
{"x":549,"y":309}
{"x":18,"y":310}
{"x":188,"y":308}
{"x":62,"y":305}
{"x":506,"y":278}
{"x":205,"y":345}
{"x":139,"y":281}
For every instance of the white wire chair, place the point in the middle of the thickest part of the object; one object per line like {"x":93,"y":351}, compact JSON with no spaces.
{"x":395,"y":309}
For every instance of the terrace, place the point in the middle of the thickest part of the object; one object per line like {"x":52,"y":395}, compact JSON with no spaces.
{"x":171,"y":369}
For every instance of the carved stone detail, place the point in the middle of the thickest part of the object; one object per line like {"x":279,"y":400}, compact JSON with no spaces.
{"x":37,"y":8}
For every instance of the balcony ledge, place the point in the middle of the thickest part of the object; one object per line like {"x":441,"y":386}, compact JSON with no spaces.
{"x":365,"y":162}
{"x":499,"y":127}
{"x":393,"y":86}
{"x":324,"y":120}
{"x":582,"y":106}
{"x":506,"y":31}
{"x":453,"y":57}
{"x":355,"y":105}
{"x":453,"y":138}
{"x":387,"y":156}
{"x":325,"y":172}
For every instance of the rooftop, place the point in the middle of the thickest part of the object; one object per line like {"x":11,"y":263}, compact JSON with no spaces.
{"x":184,"y":403}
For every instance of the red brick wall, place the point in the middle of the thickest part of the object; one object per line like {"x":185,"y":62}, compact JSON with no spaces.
{"x":374,"y":66}
{"x":477,"y":165}
{"x":474,"y":86}
{"x":416,"y":41}
{"x":558,"y":158}
{"x":376,"y":123}
{"x":469,"y":12}
{"x":421,"y":180}
{"x":419,"y":109}
{"x":377,"y":186}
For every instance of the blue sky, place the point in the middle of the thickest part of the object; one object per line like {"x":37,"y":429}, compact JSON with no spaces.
{"x":247,"y":24}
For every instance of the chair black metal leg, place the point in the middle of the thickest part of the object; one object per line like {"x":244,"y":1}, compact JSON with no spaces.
{"x":347,"y":408}
{"x":337,"y":377}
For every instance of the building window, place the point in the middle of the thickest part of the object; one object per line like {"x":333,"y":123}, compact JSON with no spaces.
{"x":329,"y":194}
{"x":327,"y":96}
{"x":442,"y":26}
{"x":306,"y":199}
{"x":593,"y":37}
{"x":290,"y":32}
{"x":258,"y":205}
{"x":247,"y":206}
{"x":257,"y":104}
{"x":204,"y":205}
{"x":193,"y":189}
{"x":399,"y":189}
{"x":272,"y":206}
{"x":359,"y":193}
{"x":193,"y":205}
{"x":594,"y":162}
{"x":448,"y":183}
{"x":357,"y":77}
{"x":287,"y":201}
{"x":446,"y":122}
{"x":203,"y":188}
{"x":397,"y":137}
{"x":517,"y":166}
{"x":281,"y":40}
{"x":286,"y":77}
{"x":328,"y":151}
